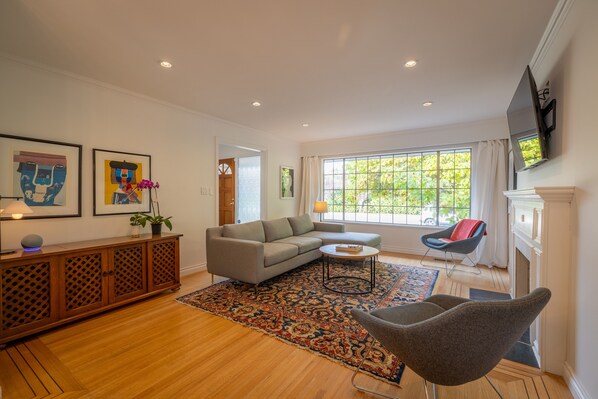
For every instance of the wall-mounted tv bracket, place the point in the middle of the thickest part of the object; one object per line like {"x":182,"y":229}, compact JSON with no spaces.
{"x":543,"y":95}
{"x":549,"y":108}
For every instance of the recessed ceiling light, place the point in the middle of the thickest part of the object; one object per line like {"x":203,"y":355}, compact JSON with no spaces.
{"x":305,"y":124}
{"x":256,"y":104}
{"x":410,"y":64}
{"x":165,"y":64}
{"x":427,"y":104}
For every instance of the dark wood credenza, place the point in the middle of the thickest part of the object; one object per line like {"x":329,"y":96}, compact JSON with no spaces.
{"x":65,"y":282}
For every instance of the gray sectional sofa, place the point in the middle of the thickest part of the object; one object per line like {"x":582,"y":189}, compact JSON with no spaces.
{"x":256,"y":251}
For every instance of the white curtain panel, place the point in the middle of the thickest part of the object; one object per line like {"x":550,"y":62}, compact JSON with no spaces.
{"x":310,"y":184}
{"x":489,"y":203}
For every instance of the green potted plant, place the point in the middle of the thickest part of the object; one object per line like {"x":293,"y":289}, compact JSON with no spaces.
{"x":137,"y":221}
{"x":155,"y":219}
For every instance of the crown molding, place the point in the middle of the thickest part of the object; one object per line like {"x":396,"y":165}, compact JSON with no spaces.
{"x":108,"y":86}
{"x":555,"y":23}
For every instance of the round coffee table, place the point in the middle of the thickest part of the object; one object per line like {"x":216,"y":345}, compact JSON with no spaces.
{"x":330,"y":252}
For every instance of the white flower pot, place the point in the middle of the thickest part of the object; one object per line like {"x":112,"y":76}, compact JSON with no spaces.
{"x":135,"y":231}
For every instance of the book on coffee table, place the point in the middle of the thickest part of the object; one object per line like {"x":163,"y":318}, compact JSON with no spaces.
{"x":349,"y":247}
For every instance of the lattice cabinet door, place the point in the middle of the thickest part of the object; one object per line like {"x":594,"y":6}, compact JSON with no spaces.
{"x":163,"y":264}
{"x":85,"y":278}
{"x":130,"y":274}
{"x":29,"y":296}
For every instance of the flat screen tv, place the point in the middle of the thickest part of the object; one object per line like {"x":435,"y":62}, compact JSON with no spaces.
{"x":529,"y":134}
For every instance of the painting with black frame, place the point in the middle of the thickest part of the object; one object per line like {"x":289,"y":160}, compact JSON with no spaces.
{"x":47,"y":174}
{"x":115,"y":177}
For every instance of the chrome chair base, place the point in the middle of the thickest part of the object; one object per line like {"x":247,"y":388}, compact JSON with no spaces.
{"x":476,"y":270}
{"x":362,"y":389}
{"x":426,"y":390}
{"x":434,"y":388}
{"x":384,"y":395}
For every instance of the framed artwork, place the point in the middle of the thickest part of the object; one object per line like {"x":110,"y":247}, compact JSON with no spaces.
{"x":47,"y":174}
{"x":287,"y":182}
{"x":115,"y":176}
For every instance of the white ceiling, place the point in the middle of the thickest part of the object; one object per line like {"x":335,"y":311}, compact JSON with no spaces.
{"x":335,"y":64}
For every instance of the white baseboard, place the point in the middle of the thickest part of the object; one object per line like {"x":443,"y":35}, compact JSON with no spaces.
{"x":573,"y":383}
{"x":418,"y":251}
{"x":403,"y":250}
{"x":193,"y":269}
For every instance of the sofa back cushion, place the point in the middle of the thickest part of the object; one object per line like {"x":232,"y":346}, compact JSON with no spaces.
{"x":301,"y":224}
{"x":277,"y":229}
{"x":253,"y":231}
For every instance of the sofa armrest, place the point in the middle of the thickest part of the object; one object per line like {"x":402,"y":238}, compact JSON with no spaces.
{"x":329,"y":227}
{"x":241,"y":260}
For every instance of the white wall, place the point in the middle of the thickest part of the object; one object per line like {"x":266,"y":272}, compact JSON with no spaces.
{"x":229,"y":151}
{"x":406,"y":239}
{"x":44,"y":104}
{"x":570,"y":66}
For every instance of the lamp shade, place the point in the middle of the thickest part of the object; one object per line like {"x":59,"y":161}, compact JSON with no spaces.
{"x":17,"y":209}
{"x":321,"y":207}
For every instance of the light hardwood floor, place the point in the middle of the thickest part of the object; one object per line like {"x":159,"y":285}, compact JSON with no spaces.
{"x":161,"y":349}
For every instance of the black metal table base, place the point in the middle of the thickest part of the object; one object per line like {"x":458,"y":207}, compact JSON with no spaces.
{"x":326,"y":277}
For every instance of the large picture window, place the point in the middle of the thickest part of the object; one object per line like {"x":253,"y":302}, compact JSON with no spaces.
{"x":415,"y":188}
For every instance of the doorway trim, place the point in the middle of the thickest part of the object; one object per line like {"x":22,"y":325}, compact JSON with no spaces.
{"x":262,"y":152}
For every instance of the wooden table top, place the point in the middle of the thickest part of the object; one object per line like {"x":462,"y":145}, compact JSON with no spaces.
{"x":366,"y":252}
{"x":79,"y":245}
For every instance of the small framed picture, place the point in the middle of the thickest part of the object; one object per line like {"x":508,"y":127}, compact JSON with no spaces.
{"x":287,"y":182}
{"x":46,"y":174}
{"x":115,"y":178}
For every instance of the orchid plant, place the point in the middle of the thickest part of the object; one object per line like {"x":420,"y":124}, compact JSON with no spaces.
{"x":155,"y":217}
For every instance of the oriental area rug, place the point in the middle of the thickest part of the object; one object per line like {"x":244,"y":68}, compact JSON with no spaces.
{"x":294,"y":307}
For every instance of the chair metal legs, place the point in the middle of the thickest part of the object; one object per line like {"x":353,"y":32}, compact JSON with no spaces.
{"x":421,"y":261}
{"x":434,"y":390}
{"x":450,"y":272}
{"x":476,"y":269}
{"x":426,"y":389}
{"x":362,"y":389}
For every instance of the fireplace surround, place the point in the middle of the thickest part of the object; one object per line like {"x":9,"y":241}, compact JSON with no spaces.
{"x":540,"y":256}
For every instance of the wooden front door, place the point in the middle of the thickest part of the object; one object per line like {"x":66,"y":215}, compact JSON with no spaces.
{"x":226,"y":191}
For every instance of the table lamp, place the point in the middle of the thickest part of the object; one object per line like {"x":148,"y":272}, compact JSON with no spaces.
{"x":16,"y":210}
{"x":321,"y":207}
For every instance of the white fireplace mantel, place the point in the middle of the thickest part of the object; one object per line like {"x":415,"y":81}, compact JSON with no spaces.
{"x":540,"y":228}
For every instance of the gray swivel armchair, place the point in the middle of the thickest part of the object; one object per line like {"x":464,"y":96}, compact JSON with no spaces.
{"x":440,"y":241}
{"x":449,"y":340}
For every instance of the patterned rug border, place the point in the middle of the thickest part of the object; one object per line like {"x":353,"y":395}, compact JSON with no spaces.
{"x":305,"y":348}
{"x":286,"y":341}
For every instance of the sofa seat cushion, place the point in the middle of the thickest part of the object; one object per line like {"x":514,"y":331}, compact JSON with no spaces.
{"x":253,"y":231}
{"x":369,"y":239}
{"x":305,"y":244}
{"x":277,"y":229}
{"x":301,"y":224}
{"x":277,"y":252}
